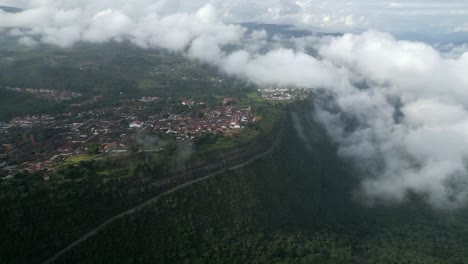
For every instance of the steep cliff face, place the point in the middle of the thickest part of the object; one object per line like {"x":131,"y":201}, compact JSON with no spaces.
{"x":294,"y":206}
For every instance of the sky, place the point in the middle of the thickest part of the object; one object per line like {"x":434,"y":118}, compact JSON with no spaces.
{"x":395,"y":16}
{"x":407,"y":100}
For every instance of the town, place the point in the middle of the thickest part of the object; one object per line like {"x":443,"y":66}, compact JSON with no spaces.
{"x":36,"y":143}
{"x":283,"y":94}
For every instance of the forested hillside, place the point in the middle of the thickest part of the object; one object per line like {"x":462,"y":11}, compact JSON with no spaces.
{"x":293,"y":207}
{"x":112,"y":69}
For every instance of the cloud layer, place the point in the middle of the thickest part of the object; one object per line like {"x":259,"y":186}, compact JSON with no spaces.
{"x":64,"y":24}
{"x":399,"y":109}
{"x":411,"y":132}
{"x":429,"y":17}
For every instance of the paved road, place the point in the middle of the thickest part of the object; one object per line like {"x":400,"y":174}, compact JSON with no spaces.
{"x":154,"y":199}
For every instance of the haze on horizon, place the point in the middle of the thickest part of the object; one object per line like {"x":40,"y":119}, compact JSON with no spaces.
{"x":397,"y":16}
{"x":409,"y":99}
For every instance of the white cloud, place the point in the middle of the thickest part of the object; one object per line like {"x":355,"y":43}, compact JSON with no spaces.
{"x":64,"y":23}
{"x":462,"y":28}
{"x":63,"y":37}
{"x":108,"y":24}
{"x":27,"y":41}
{"x":425,"y":150}
{"x":280,"y":67}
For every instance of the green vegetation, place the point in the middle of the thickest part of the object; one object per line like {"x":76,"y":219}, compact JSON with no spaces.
{"x":254,"y":96}
{"x":79,"y":158}
{"x":112,"y":68}
{"x":116,"y":70}
{"x":40,"y":218}
{"x":293,"y":207}
{"x":17,"y":103}
{"x":210,"y":145}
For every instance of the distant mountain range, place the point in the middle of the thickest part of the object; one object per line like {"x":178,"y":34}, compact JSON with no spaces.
{"x":456,"y":38}
{"x":10,"y":9}
{"x":286,"y":30}
{"x":293,"y":31}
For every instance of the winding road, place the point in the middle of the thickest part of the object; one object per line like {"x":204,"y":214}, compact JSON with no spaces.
{"x":154,"y":199}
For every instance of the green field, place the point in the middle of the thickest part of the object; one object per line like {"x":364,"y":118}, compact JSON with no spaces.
{"x":78,"y":158}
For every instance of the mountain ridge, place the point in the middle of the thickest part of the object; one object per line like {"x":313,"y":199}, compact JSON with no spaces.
{"x":11,"y":9}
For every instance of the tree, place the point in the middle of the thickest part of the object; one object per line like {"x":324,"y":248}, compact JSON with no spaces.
{"x":93,"y":149}
{"x":134,"y":148}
